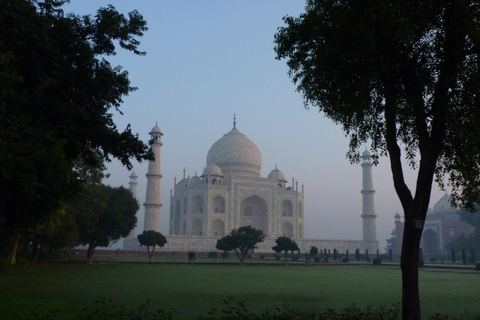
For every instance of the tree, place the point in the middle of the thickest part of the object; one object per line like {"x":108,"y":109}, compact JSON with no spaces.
{"x":285,"y":244}
{"x":151,"y":238}
{"x":402,"y":76}
{"x":241,"y":240}
{"x":57,"y":96}
{"x":312,"y":253}
{"x":104,"y":214}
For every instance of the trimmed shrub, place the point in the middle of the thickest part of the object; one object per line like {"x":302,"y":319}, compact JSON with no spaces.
{"x":262,"y":256}
{"x":212,"y":255}
{"x":377,"y":261}
{"x":317,"y":259}
{"x":295,"y":257}
{"x":477,"y":266}
{"x":277,"y":257}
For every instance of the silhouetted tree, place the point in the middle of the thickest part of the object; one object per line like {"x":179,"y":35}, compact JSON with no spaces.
{"x":151,"y":239}
{"x":58,"y":93}
{"x":285,"y":244}
{"x":400,"y":75}
{"x":241,"y":240}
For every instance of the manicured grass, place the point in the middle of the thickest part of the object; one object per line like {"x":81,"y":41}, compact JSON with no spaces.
{"x":193,"y":289}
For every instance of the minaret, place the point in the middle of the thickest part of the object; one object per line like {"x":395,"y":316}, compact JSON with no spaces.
{"x":152,"y":200}
{"x":133,"y":184}
{"x":130,"y":240}
{"x":368,"y":204}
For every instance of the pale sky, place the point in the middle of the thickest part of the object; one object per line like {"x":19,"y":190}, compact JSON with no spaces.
{"x":207,"y":60}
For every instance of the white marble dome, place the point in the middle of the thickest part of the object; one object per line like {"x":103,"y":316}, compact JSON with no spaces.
{"x":212,"y":169}
{"x":277,"y":175}
{"x":195,"y":180}
{"x":156,"y":129}
{"x":236,"y":153}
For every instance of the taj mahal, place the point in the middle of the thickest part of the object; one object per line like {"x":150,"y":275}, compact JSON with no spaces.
{"x":231,"y":193}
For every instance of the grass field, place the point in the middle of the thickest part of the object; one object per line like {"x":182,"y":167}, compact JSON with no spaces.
{"x":193,"y":289}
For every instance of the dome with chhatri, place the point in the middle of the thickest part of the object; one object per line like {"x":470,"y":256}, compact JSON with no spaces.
{"x":277,"y":175}
{"x":235,"y":153}
{"x":212,"y":169}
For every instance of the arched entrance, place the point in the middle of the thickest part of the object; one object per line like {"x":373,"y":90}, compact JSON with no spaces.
{"x":254,"y":212}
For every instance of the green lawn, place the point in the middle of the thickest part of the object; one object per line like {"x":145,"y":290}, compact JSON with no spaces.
{"x":193,"y":289}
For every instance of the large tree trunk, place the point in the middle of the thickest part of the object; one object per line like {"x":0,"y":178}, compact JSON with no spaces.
{"x":12,"y":257}
{"x":91,"y":249}
{"x":409,"y":264}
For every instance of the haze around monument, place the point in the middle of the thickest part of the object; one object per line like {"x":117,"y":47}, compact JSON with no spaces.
{"x":208,"y":60}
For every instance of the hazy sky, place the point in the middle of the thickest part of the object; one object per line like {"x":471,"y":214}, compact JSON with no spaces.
{"x":207,"y":60}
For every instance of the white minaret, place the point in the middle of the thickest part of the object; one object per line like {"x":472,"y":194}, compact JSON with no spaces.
{"x":131,"y":240}
{"x":368,"y":204}
{"x":152,"y":200}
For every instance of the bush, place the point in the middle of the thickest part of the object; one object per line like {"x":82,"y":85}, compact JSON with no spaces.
{"x":377,"y":261}
{"x":277,"y":257}
{"x":262,"y":256}
{"x":317,"y":259}
{"x":421,"y":263}
{"x":225,"y":254}
{"x":477,"y":266}
{"x":295,"y":257}
{"x":212,"y":255}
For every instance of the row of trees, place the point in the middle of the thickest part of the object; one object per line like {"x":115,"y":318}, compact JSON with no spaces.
{"x":245,"y":239}
{"x":57,"y":97}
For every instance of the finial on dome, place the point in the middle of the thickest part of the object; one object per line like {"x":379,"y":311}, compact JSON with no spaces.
{"x":234,"y":120}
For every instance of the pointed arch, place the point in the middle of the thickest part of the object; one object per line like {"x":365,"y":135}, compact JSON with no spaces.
{"x":219,"y":204}
{"x":218,"y":228}
{"x":287,"y":208}
{"x":197,"y":204}
{"x":254,"y":212}
{"x":287,"y":229}
{"x":197,"y":227}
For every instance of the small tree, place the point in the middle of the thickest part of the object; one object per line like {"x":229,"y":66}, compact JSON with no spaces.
{"x":241,"y":241}
{"x":151,"y":239}
{"x":311,"y":254}
{"x":103,"y":215}
{"x":285,"y":244}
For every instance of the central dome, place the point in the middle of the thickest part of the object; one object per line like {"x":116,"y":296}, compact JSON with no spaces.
{"x":235,"y":152}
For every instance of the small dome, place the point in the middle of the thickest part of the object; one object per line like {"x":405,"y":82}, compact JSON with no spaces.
{"x":133,"y":175}
{"x":195,"y":180}
{"x":443,"y":205}
{"x":397,"y":215}
{"x":212,"y":169}
{"x":366,"y":153}
{"x":156,"y":129}
{"x":277,"y":175}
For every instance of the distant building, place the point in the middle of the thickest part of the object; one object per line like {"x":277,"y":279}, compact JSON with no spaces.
{"x":231,"y":193}
{"x":442,"y":225}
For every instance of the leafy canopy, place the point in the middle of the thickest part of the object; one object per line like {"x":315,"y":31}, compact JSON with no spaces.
{"x":241,"y":240}
{"x":395,"y":71}
{"x":57,"y":100}
{"x":151,"y":239}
